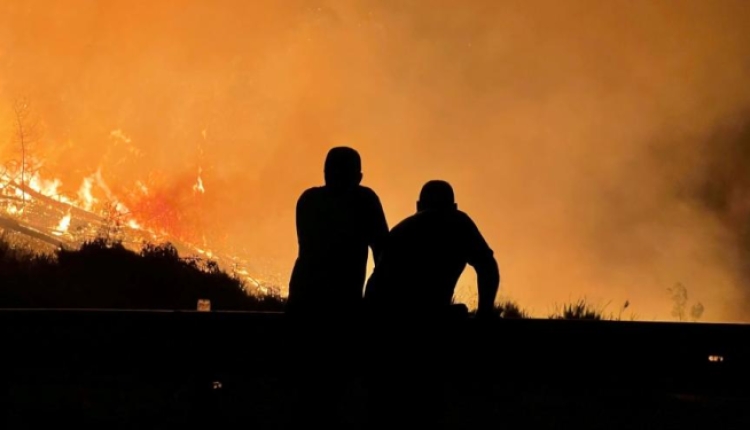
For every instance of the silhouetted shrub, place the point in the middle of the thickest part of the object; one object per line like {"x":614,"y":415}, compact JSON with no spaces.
{"x":580,"y":310}
{"x":510,"y":309}
{"x":105,"y":274}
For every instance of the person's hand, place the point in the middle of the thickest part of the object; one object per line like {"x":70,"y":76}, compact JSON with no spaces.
{"x":459,"y":311}
{"x":485,"y":314}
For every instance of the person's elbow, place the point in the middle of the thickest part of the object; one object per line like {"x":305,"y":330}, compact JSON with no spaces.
{"x":488,"y":273}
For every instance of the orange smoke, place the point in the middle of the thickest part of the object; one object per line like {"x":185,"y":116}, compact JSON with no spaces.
{"x":575,"y":133}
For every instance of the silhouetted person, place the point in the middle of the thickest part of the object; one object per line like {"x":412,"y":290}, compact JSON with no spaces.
{"x":425,"y":255}
{"x":414,"y":281}
{"x":336,"y":223}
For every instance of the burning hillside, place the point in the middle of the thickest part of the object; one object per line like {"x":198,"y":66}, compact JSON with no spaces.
{"x":35,"y":213}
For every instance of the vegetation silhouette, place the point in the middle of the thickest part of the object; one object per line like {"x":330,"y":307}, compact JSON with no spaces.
{"x":106,"y":275}
{"x":581,"y":309}
{"x":508,"y":309}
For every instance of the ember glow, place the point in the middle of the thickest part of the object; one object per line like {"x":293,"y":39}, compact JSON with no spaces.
{"x":598,"y":145}
{"x":198,"y":187}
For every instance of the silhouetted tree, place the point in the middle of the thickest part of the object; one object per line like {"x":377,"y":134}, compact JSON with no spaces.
{"x":26,"y":131}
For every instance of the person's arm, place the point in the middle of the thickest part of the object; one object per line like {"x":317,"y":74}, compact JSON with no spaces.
{"x":488,"y":283}
{"x":379,"y":228}
{"x":482,"y":259}
{"x":302,"y":219}
{"x":296,"y":280}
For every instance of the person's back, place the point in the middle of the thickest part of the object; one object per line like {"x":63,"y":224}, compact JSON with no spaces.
{"x":336,"y":224}
{"x":425,"y":255}
{"x":414,"y":280}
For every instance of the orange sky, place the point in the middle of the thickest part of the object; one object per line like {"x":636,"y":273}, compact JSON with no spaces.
{"x":569,"y":129}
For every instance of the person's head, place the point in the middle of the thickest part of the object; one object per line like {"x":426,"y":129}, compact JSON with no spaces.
{"x":436,"y":195}
{"x":343,"y":168}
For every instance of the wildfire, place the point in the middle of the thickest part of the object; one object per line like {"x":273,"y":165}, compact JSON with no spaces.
{"x":85,"y":197}
{"x":207,"y":253}
{"x":62,"y":226}
{"x":37,"y":207}
{"x":46,"y":187}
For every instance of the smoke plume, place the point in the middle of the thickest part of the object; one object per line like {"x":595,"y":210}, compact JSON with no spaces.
{"x":601,"y":147}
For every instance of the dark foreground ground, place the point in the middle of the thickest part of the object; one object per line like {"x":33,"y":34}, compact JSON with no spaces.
{"x":118,"y":369}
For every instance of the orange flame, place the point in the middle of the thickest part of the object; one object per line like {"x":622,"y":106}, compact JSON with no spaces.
{"x":62,"y":226}
{"x":198,"y":187}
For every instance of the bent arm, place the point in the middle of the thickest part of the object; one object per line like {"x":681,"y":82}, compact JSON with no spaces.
{"x":302,"y":220}
{"x":482,"y":258}
{"x":488,"y":283}
{"x":379,"y":232}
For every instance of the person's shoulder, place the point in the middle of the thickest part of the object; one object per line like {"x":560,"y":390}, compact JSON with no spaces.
{"x":464,"y":220}
{"x":310,"y":193}
{"x":367,"y":192}
{"x":368,"y":196}
{"x":470,"y":230}
{"x":463,"y":216}
{"x":408,"y":223}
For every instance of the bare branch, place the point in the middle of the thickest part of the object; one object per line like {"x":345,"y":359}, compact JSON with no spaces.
{"x":24,"y":132}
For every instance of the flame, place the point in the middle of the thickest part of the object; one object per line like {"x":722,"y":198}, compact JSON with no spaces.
{"x":103,"y":185}
{"x":62,"y":226}
{"x":198,"y":187}
{"x":142,"y":187}
{"x":158,"y":216}
{"x":46,"y":187}
{"x":111,"y":197}
{"x":85,"y":198}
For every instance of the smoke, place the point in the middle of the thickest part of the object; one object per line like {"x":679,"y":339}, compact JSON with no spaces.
{"x":589,"y":140}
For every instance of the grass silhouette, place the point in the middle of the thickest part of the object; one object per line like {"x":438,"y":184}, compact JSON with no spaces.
{"x":578,"y":310}
{"x":510,"y":309}
{"x":105,"y":274}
